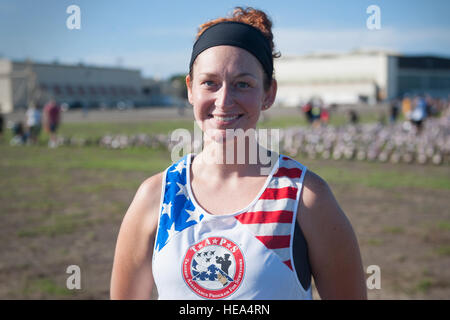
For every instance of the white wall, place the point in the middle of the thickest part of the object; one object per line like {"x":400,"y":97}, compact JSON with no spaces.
{"x":337,"y":78}
{"x":6,"y":104}
{"x":343,"y":93}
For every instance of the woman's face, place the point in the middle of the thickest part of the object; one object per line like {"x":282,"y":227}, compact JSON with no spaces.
{"x":227,"y":90}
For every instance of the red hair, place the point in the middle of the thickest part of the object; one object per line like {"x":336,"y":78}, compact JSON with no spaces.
{"x":255,"y":18}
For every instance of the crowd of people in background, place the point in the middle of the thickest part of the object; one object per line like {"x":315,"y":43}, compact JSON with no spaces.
{"x":415,"y":109}
{"x":28,"y":131}
{"x":316,"y":112}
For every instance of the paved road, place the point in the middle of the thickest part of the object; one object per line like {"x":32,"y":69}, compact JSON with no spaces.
{"x":136,"y":115}
{"x":160,"y":113}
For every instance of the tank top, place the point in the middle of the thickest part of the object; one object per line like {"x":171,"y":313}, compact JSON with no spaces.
{"x":258,"y":252}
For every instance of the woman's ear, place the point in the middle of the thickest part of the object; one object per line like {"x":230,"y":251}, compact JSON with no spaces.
{"x":189,"y":88}
{"x":270,"y":95}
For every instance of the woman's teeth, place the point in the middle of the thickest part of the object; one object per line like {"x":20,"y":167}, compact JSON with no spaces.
{"x":226,"y":118}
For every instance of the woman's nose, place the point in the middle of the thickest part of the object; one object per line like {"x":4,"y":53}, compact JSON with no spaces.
{"x":224,"y":97}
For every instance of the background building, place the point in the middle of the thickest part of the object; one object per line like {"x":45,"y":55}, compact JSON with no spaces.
{"x":77,"y":85}
{"x":355,"y":77}
{"x":338,"y":78}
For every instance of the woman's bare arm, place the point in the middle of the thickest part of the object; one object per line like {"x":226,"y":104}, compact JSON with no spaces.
{"x":333,"y":249}
{"x":132,"y":276}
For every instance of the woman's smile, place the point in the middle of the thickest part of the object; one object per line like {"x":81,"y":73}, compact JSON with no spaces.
{"x":225,"y":120}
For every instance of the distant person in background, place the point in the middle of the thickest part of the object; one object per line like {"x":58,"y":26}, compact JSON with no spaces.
{"x":324,"y":116}
{"x":353,"y":117}
{"x":19,"y":136}
{"x":419,"y":113}
{"x":307,"y":111}
{"x":406,"y":107}
{"x":52,"y":118}
{"x":1,"y":125}
{"x":394,"y":110}
{"x":316,"y":111}
{"x":33,"y":123}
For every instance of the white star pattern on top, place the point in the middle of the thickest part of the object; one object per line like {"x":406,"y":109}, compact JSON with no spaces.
{"x":171,"y":232}
{"x":193,"y":215}
{"x":180,"y":166}
{"x":183,"y":190}
{"x":167,"y":208}
{"x":176,"y":212}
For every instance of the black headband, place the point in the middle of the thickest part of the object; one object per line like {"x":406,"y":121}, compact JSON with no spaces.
{"x":236,"y":34}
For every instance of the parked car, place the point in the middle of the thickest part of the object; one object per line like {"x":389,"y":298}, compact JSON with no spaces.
{"x":125,"y":105}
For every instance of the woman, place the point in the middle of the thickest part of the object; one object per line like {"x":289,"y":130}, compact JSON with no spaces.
{"x":33,"y":123}
{"x":207,"y":228}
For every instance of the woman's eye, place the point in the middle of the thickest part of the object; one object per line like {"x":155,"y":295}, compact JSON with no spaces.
{"x":208,"y":83}
{"x":242,"y":85}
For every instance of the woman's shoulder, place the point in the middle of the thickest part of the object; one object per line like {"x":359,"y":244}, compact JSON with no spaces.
{"x":317,"y":204}
{"x":314,"y":186}
{"x":149,"y":190}
{"x":322,"y":220}
{"x":151,"y":183}
{"x":145,"y":205}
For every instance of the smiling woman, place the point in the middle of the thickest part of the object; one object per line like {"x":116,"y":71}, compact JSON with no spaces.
{"x":213,"y":229}
{"x":227,"y":92}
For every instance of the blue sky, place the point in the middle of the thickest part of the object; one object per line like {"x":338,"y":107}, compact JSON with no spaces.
{"x":157,"y":36}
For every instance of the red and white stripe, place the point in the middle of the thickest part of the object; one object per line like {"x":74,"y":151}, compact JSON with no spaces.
{"x":270,"y":219}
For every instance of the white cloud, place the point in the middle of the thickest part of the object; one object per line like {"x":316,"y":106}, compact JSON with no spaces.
{"x":299,"y":41}
{"x":289,"y":41}
{"x":150,"y":62}
{"x":165,"y":32}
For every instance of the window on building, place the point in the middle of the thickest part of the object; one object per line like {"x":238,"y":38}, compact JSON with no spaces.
{"x":81,"y":90}
{"x":57,"y":89}
{"x":436,"y":82}
{"x":409,"y":83}
{"x":102,"y":90}
{"x":70,"y":90}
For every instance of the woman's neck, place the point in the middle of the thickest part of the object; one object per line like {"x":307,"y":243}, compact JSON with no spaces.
{"x":235,"y":158}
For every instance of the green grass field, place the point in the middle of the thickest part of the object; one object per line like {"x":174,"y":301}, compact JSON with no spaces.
{"x":64,"y":206}
{"x":98,"y":129}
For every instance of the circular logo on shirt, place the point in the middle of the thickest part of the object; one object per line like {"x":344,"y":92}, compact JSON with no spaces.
{"x":213,"y":268}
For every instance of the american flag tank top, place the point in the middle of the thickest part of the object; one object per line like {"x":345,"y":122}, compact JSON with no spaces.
{"x":258,"y":252}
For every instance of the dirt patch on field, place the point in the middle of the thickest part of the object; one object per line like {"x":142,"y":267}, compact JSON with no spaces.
{"x":404,"y":232}
{"x":72,"y":217}
{"x":48,"y":226}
